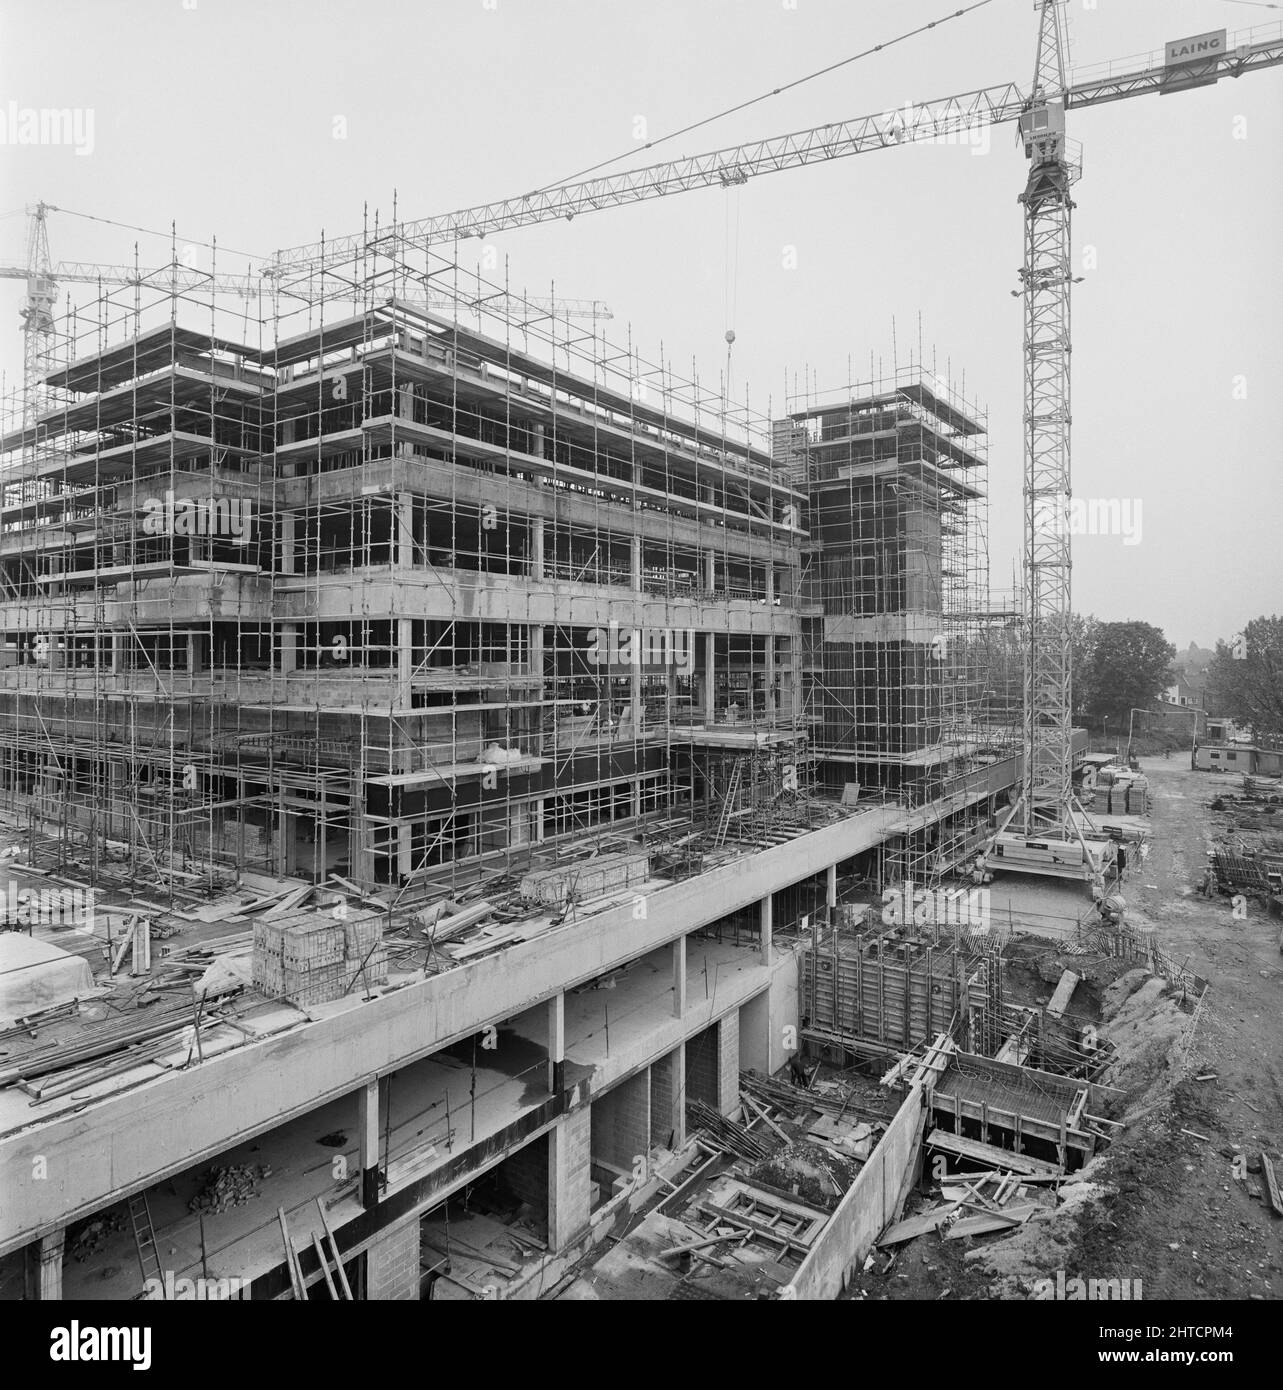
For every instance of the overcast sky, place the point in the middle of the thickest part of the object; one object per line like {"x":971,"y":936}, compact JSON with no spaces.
{"x":220,"y":115}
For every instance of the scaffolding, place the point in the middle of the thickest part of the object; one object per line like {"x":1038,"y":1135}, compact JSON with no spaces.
{"x":333,"y":583}
{"x":906,"y":694}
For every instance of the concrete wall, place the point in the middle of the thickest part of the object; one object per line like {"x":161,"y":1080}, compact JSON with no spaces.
{"x":754,"y":1033}
{"x":392,"y":1264}
{"x":782,"y":1017}
{"x":865,"y":1210}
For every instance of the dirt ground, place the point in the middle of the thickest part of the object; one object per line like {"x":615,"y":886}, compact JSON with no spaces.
{"x":1164,"y":1206}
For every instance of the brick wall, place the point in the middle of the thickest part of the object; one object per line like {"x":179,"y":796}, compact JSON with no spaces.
{"x":525,"y":1175}
{"x":728,"y":1062}
{"x":702,"y":1067}
{"x":667,"y":1099}
{"x":392,"y":1264}
{"x":621,"y":1122}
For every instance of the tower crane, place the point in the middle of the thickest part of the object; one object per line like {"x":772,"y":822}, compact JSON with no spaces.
{"x":1042,"y":832}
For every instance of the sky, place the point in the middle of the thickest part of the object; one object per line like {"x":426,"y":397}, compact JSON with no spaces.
{"x":220,"y":118}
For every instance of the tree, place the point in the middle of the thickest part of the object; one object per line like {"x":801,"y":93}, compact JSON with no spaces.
{"x":1082,"y":645}
{"x":1245,"y":679}
{"x":1129,"y":665}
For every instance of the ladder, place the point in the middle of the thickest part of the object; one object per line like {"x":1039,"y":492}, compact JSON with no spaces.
{"x":728,"y":805}
{"x":145,"y":1240}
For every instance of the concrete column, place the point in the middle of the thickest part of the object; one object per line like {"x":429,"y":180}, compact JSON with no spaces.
{"x":404,"y":660}
{"x":637,"y":798}
{"x":368,"y":1123}
{"x":831,"y":886}
{"x":536,"y":649}
{"x":710,"y":651}
{"x":770,"y":585}
{"x":635,"y":695}
{"x":360,"y":842}
{"x":710,"y":570}
{"x":286,"y":543}
{"x":289,"y":647}
{"x":569,"y":1198}
{"x":557,"y":1044}
{"x":766,"y":927}
{"x":193,"y":654}
{"x":42,"y":1267}
{"x":404,"y":841}
{"x":770,"y":673}
{"x":636,"y":559}
{"x":537,"y":440}
{"x":118,"y":652}
{"x":538,"y":821}
{"x":405,"y":401}
{"x":679,"y":977}
{"x":403,"y":525}
{"x":536,"y":547}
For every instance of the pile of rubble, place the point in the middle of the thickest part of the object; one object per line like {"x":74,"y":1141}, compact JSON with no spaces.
{"x":229,"y":1187}
{"x":93,"y":1235}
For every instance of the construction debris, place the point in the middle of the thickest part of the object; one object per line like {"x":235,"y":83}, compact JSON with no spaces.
{"x":233,"y":1186}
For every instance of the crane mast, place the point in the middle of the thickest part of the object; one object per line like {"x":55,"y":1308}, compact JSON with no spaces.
{"x":1046,"y":801}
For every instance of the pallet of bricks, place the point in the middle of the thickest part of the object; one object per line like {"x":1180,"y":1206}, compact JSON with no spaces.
{"x":314,"y":957}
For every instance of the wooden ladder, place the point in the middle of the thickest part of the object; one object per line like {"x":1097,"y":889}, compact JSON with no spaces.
{"x":145,"y":1239}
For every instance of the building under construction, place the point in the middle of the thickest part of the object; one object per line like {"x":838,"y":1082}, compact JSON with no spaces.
{"x":483,"y":718}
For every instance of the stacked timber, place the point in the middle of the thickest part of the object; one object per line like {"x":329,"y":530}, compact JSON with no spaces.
{"x":726,"y":1135}
{"x":585,"y":879}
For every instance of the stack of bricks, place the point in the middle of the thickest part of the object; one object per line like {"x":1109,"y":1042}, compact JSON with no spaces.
{"x":313,"y":957}
{"x":299,"y":957}
{"x":365,"y":958}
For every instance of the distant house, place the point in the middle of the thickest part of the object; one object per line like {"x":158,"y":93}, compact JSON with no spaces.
{"x":1187,"y":692}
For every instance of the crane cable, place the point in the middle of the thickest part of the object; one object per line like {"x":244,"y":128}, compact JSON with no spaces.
{"x":764,"y":96}
{"x":730,"y":290}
